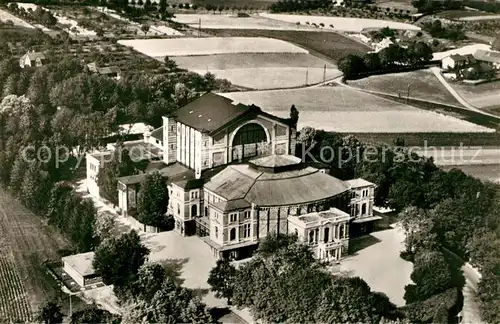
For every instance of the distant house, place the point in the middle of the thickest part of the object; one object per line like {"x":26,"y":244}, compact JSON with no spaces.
{"x":79,"y":267}
{"x":384,"y":43}
{"x":32,"y":59}
{"x":491,"y":58}
{"x":457,"y":61}
{"x":109,"y":71}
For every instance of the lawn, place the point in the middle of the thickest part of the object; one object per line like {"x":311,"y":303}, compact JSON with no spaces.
{"x":422,"y":84}
{"x":341,"y":23}
{"x":262,"y":71}
{"x":379,"y":264}
{"x":485,"y":96}
{"x":210,"y":45}
{"x":26,"y":243}
{"x":346,"y":110}
{"x":329,"y":45}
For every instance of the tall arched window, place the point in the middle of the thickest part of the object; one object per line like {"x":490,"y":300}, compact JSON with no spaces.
{"x":206,"y":211}
{"x":326,"y":235}
{"x":363,"y":209}
{"x":194,"y":210}
{"x":232,"y":234}
{"x":311,"y":237}
{"x":245,"y":142}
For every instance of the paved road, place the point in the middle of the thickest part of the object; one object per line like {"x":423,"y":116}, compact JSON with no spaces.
{"x":454,"y":93}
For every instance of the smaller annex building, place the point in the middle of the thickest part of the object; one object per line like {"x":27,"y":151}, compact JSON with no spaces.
{"x":79,"y":268}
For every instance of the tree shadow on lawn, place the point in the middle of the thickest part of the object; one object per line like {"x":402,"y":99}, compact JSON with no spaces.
{"x":173,"y":269}
{"x":358,"y":244}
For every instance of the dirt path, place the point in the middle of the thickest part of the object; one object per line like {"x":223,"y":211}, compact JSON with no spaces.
{"x":27,"y":242}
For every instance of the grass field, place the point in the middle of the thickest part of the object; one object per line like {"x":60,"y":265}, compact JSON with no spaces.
{"x":485,"y":96}
{"x":328,"y":44}
{"x":26,"y":243}
{"x":346,"y":110}
{"x":422,"y":85}
{"x":341,"y":23}
{"x":231,"y":21}
{"x":210,"y":45}
{"x":457,"y":14}
{"x":262,"y":71}
{"x":5,"y":16}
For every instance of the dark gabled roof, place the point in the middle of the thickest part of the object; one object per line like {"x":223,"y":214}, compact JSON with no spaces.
{"x":158,"y":133}
{"x":210,"y":112}
{"x":34,"y":55}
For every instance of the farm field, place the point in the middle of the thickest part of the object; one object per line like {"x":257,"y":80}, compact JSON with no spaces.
{"x":346,"y":110}
{"x":422,"y":85}
{"x":262,"y":71}
{"x":4,"y":16}
{"x":485,"y":96}
{"x":459,"y":14}
{"x":26,"y":243}
{"x":210,"y":45}
{"x":331,"y":45}
{"x":132,"y":28}
{"x":490,"y":172}
{"x":341,"y":23}
{"x":484,"y":16}
{"x":228,"y":21}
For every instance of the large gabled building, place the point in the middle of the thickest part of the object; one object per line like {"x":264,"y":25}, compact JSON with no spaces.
{"x":233,"y":179}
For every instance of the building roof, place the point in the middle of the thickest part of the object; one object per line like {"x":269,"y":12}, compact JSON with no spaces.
{"x":158,"y":133}
{"x":358,"y":183}
{"x":210,"y":112}
{"x":276,"y":161}
{"x":175,"y":172}
{"x":34,"y":55}
{"x":459,"y":57}
{"x":274,"y":189}
{"x":82,"y":263}
{"x":331,"y":215}
{"x":487,"y":56}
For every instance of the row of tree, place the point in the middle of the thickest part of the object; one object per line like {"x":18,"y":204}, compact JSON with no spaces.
{"x":285,"y":283}
{"x":295,"y":5}
{"x":149,"y":292}
{"x":388,"y":59}
{"x":435,"y":28}
{"x":39,"y":15}
{"x":430,"y":6}
{"x":461,"y":213}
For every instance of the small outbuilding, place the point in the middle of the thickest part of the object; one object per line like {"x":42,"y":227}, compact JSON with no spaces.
{"x":79,"y":267}
{"x":457,"y":61}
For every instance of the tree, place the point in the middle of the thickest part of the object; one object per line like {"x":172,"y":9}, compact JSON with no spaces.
{"x":104,"y":224}
{"x":431,"y":275}
{"x":50,"y":313}
{"x":294,"y":116}
{"x":145,"y":28}
{"x":93,"y":314}
{"x":118,"y":260}
{"x":351,"y":65}
{"x":372,"y":61}
{"x":163,"y":6}
{"x":120,"y":165}
{"x":221,"y":279}
{"x":170,"y":64}
{"x":150,"y":280}
{"x":152,"y":201}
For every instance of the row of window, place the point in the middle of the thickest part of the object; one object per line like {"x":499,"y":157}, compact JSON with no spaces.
{"x":245,"y":232}
{"x":234,"y":216}
{"x":314,"y":234}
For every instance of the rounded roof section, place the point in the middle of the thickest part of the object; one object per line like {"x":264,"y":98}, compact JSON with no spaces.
{"x":276,"y":163}
{"x":267,"y":189}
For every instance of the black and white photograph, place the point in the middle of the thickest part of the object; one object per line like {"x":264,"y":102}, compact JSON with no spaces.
{"x":250,"y":161}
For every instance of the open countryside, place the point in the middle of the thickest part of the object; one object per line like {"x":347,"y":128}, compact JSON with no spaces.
{"x":342,"y":109}
{"x":86,"y":71}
